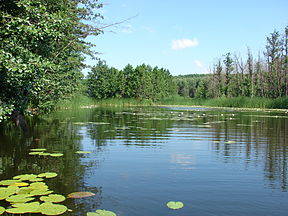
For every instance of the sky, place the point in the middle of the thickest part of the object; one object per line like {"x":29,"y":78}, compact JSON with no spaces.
{"x":185,"y":36}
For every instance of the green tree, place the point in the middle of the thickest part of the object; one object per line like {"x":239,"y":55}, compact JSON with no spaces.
{"x":42,"y":50}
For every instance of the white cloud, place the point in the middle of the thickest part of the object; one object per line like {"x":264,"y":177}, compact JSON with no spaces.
{"x":201,"y":66}
{"x":184,"y":43}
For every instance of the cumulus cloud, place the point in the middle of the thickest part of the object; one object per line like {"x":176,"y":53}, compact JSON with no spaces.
{"x":184,"y":43}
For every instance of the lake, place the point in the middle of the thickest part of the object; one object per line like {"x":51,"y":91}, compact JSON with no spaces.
{"x":217,"y":162}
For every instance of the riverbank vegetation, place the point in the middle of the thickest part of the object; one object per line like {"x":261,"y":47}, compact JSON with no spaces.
{"x":42,"y":52}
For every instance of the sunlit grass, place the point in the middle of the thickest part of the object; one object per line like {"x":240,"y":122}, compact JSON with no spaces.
{"x":82,"y":101}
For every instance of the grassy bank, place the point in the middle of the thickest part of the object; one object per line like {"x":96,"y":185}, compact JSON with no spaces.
{"x":239,"y":102}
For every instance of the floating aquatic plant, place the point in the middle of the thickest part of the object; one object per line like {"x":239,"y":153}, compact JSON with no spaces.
{"x":56,"y":154}
{"x":83,"y":152}
{"x":22,"y":208}
{"x":35,"y":153}
{"x":8,"y":182}
{"x":6,"y":192}
{"x":2,"y":210}
{"x":101,"y":212}
{"x":20,"y":198}
{"x":175,"y":205}
{"x":47,"y":175}
{"x":25,"y":177}
{"x":54,"y":198}
{"x":80,"y":194}
{"x":48,"y":208}
{"x":38,"y":149}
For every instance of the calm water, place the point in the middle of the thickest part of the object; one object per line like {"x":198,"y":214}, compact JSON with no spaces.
{"x":216,"y":162}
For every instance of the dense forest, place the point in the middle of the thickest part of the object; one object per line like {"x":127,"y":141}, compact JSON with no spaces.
{"x":43,"y":48}
{"x":141,"y":82}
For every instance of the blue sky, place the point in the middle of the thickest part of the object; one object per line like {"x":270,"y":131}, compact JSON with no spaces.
{"x":186,"y":36}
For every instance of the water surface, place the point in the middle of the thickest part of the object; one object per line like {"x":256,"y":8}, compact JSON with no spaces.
{"x":217,"y":162}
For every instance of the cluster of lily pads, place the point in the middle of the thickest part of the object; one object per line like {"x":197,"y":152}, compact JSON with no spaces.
{"x":23,"y":189}
{"x":99,"y":212}
{"x":42,"y":152}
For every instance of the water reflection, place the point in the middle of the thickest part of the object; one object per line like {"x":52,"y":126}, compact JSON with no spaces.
{"x":173,"y":143}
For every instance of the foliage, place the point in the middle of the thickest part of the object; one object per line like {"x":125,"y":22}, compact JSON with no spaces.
{"x":142,"y":82}
{"x":232,"y":76}
{"x":42,"y":50}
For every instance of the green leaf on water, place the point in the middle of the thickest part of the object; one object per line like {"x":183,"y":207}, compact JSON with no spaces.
{"x":8,"y":182}
{"x":2,"y":210}
{"x":54,"y":198}
{"x":56,"y":154}
{"x":38,"y":149}
{"x":48,"y":208}
{"x":26,"y":207}
{"x":38,"y":185}
{"x":5,"y":192}
{"x":47,"y":175}
{"x":40,"y":192}
{"x":44,"y":154}
{"x":35,"y":153}
{"x":175,"y":205}
{"x":25,"y":177}
{"x":83,"y":152}
{"x":101,"y":212}
{"x":25,"y":190}
{"x":20,"y":198}
{"x":80,"y":194}
{"x":36,"y":179}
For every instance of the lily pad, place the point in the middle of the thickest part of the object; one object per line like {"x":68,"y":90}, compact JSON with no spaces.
{"x":101,"y":212}
{"x":40,"y":192}
{"x":48,"y":175}
{"x":38,"y":185}
{"x":83,"y":152}
{"x":2,"y":210}
{"x":22,"y":208}
{"x":8,"y":182}
{"x":38,"y":149}
{"x":35,"y":153}
{"x":25,"y":177}
{"x":36,"y":179}
{"x":54,"y":198}
{"x":80,"y":194}
{"x":20,"y":198}
{"x":56,"y":154}
{"x":48,"y":208}
{"x":6,"y":192}
{"x":44,"y":154}
{"x":25,"y":190}
{"x":20,"y":184}
{"x":175,"y":205}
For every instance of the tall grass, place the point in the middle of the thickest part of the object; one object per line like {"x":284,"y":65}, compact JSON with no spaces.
{"x":240,"y":102}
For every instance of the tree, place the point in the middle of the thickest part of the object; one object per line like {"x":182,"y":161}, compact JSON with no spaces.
{"x":228,"y":62}
{"x":42,"y":50}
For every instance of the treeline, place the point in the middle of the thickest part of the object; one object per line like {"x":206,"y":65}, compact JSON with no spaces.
{"x":232,"y":76}
{"x":42,"y":50}
{"x":141,"y":82}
